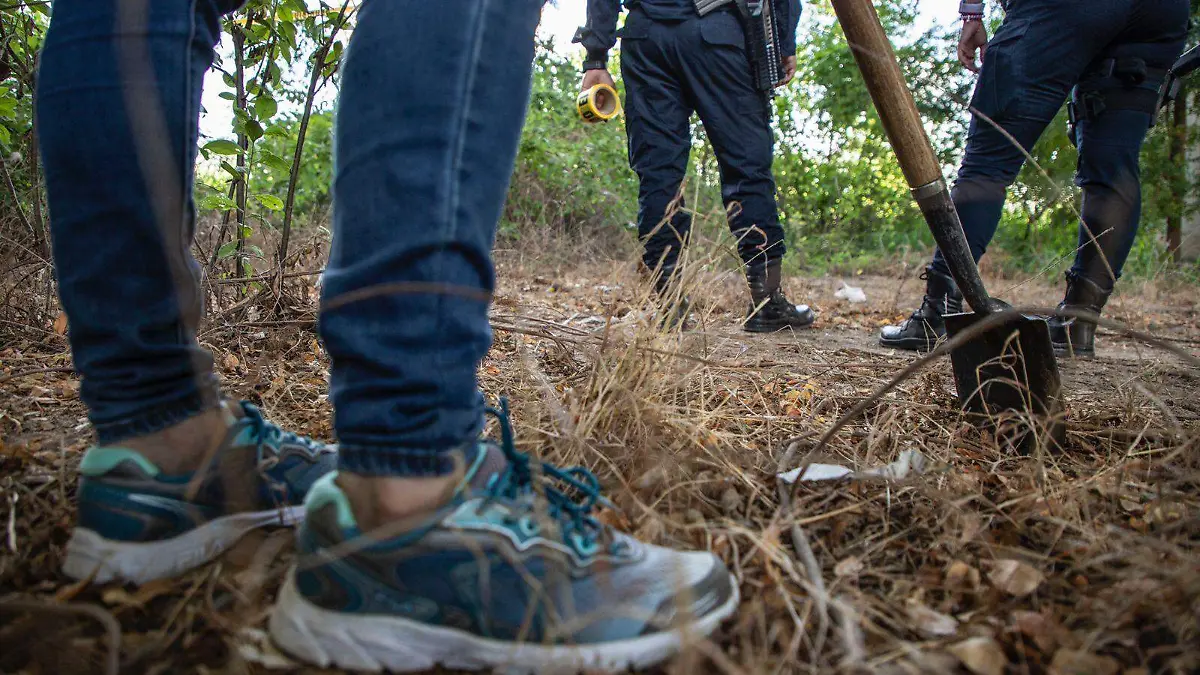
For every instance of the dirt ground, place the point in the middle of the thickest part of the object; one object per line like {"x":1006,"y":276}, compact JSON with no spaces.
{"x":987,"y":561}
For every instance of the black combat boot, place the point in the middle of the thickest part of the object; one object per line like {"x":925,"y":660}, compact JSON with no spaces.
{"x":1075,"y":337}
{"x":674,"y":305}
{"x":770,"y":311}
{"x":921,"y":331}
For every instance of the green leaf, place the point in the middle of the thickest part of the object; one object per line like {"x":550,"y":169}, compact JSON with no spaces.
{"x":223,"y":147}
{"x":273,"y":161}
{"x":233,"y":170}
{"x":265,"y":107}
{"x":227,"y":250}
{"x":335,"y":54}
{"x":228,"y":95}
{"x":8,"y":106}
{"x":254,"y":130}
{"x":270,"y":201}
{"x":217,"y":202}
{"x":288,"y":32}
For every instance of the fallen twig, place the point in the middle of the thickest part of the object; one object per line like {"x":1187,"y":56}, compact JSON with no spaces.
{"x":36,"y":371}
{"x":112,"y":629}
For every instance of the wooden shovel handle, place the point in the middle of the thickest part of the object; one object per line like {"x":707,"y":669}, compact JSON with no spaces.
{"x":881,"y":71}
{"x":877,"y":61}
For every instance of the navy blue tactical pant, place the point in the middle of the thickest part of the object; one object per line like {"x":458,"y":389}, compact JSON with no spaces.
{"x":1042,"y":50}
{"x":672,"y":69}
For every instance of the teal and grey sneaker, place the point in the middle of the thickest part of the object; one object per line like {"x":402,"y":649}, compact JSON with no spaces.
{"x":513,"y":574}
{"x":137,"y":524}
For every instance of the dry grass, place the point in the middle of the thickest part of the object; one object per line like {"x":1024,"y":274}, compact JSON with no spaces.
{"x":1007,"y":563}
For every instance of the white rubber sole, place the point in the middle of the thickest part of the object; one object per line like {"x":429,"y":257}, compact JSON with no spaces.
{"x":90,"y":554}
{"x":377,"y":643}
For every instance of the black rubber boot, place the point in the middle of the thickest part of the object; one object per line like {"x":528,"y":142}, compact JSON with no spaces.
{"x":770,"y":311}
{"x":1076,"y":337}
{"x":674,"y":306}
{"x":921,"y":331}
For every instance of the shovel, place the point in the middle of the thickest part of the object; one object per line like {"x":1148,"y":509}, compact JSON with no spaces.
{"x":1007,"y":375}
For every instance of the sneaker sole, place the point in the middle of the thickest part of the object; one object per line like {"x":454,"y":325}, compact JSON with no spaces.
{"x":376,"y":643}
{"x":90,"y":555}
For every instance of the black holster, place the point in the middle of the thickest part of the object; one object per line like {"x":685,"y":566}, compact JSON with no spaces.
{"x":1122,"y":83}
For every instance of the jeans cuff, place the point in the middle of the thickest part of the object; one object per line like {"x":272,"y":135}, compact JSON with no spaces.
{"x":390,"y":461}
{"x":157,"y":419}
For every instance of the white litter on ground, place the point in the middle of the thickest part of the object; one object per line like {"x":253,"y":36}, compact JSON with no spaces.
{"x":851,"y":294}
{"x":909,"y":462}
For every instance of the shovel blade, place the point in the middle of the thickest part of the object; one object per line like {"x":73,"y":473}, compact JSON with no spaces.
{"x":1008,"y":378}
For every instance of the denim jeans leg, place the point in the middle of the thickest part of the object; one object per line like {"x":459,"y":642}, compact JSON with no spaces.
{"x":118,"y":103}
{"x":433,"y":98}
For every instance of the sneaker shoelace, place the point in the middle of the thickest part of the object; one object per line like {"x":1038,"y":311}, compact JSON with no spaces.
{"x":268,"y":438}
{"x":571,"y":494}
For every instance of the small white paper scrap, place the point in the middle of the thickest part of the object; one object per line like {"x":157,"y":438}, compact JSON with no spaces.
{"x":851,"y":294}
{"x":909,"y":461}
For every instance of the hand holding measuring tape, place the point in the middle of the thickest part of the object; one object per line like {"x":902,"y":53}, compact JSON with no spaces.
{"x":598,"y":102}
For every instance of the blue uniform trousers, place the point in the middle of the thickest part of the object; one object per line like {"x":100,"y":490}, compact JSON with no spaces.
{"x":672,"y":68}
{"x":1043,"y":49}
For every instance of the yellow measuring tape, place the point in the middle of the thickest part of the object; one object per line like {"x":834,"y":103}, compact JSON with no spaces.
{"x":598,"y":104}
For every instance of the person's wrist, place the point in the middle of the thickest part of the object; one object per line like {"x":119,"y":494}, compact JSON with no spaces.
{"x":596,"y":59}
{"x":970,"y":11}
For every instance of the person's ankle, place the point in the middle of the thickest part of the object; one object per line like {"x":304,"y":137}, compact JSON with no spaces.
{"x":391,"y":503}
{"x":186,"y":446}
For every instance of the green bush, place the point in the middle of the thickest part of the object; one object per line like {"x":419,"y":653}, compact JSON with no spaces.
{"x":570,"y":176}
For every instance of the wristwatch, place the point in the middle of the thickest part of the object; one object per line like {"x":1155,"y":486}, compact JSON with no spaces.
{"x":594,"y":64}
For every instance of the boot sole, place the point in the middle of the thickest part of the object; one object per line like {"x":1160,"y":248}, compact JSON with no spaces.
{"x":776,"y":329}
{"x":1064,"y":352}
{"x":911,"y":345}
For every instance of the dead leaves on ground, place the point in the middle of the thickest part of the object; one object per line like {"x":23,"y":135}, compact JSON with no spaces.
{"x":992,"y":565}
{"x":1015,"y":577}
{"x":980,"y":655}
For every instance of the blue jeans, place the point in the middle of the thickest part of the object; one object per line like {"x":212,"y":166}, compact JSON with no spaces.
{"x":1041,"y":51}
{"x":433,"y":98}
